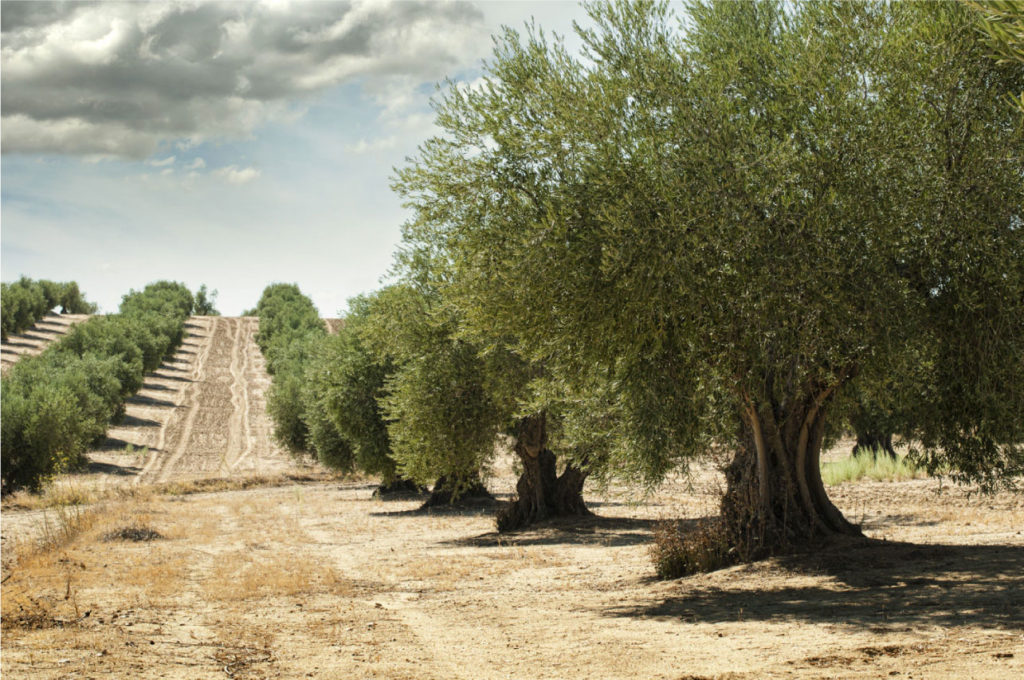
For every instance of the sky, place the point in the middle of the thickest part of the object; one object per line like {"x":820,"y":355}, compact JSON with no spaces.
{"x":230,"y":144}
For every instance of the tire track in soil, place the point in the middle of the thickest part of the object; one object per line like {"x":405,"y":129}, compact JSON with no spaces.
{"x":220,"y":426}
{"x":176,"y":425}
{"x":201,"y":445}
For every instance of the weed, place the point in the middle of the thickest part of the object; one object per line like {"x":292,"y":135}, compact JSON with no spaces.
{"x":133,"y":532}
{"x":880,"y":467}
{"x":678,"y":551}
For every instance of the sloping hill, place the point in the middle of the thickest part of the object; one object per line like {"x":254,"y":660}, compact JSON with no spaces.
{"x":33,"y":341}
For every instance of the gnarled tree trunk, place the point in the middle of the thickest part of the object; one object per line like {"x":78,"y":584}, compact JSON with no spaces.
{"x":398,"y":486}
{"x":775,"y":498}
{"x":874,"y":443}
{"x":448,"y":492}
{"x":541,"y":492}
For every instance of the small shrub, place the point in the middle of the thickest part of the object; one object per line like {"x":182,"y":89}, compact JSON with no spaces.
{"x":133,"y":532}
{"x":679,"y":551}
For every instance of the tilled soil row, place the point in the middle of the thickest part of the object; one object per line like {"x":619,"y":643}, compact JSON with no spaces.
{"x":49,"y":329}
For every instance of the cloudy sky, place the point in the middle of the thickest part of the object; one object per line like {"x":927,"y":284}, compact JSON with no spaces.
{"x":232,"y":144}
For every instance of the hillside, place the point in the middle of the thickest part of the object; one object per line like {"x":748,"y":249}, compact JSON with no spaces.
{"x":33,"y":341}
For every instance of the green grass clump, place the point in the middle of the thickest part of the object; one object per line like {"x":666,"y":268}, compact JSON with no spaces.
{"x":880,"y":467}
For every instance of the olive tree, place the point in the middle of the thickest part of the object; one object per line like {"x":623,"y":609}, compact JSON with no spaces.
{"x":735,"y":221}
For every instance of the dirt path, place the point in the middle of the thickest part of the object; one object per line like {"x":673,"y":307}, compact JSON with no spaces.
{"x":324,"y":581}
{"x":201,"y":414}
{"x":37,"y":338}
{"x":321,"y":580}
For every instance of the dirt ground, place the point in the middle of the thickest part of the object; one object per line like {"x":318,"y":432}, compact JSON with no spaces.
{"x":35,"y":339}
{"x":201,"y":414}
{"x":319,"y":579}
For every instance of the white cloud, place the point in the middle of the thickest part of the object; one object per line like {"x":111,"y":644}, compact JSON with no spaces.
{"x":233,"y":174}
{"x":120,"y":79}
{"x":369,"y":146}
{"x":197,"y":164}
{"x":163,"y":162}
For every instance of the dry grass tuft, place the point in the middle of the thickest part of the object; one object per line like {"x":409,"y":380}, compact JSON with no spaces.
{"x":65,"y":492}
{"x":243,"y":575}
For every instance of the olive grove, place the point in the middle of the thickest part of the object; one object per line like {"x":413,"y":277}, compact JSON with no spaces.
{"x":710,"y":231}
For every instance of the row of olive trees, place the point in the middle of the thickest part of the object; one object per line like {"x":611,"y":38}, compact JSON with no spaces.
{"x":59,"y":403}
{"x":25,"y":302}
{"x":739,"y":230}
{"x":343,"y":428}
{"x":397,"y":393}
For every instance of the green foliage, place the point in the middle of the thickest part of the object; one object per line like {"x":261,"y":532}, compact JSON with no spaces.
{"x":778,"y":202}
{"x":289,"y":327}
{"x":25,"y":302}
{"x":440,"y":399}
{"x":204,"y":302}
{"x":59,"y":403}
{"x":39,"y":433}
{"x":285,"y":399}
{"x":1003,"y":24}
{"x":345,"y":383}
{"x":285,"y":314}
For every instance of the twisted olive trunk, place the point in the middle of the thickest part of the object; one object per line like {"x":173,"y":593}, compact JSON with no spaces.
{"x":541,"y":492}
{"x":874,"y":443}
{"x":775,"y":497}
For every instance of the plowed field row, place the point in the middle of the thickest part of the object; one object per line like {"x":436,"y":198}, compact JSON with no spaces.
{"x":37,"y":338}
{"x":201,"y":414}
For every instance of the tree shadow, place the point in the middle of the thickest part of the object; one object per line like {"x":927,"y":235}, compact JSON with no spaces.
{"x":592,"y":530}
{"x":141,"y":400}
{"x":39,"y":337}
{"x":873,"y":584}
{"x":19,"y":343}
{"x":118,"y":445}
{"x":178,"y":378}
{"x":898,"y":520}
{"x":97,"y":468}
{"x":160,"y":388}
{"x":460,"y":509}
{"x":134,"y":421}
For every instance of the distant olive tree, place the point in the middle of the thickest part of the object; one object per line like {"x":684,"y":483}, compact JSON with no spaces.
{"x":204,"y":302}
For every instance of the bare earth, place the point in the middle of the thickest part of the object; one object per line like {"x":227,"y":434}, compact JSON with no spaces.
{"x":318,"y":579}
{"x":37,"y":338}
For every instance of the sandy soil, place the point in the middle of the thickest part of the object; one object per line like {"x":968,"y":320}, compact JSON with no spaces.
{"x":321,"y":580}
{"x":201,"y":414}
{"x":35,"y":339}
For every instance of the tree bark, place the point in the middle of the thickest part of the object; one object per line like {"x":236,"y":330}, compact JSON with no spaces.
{"x":541,"y":492}
{"x":874,"y":443}
{"x":775,"y":498}
{"x":398,"y":486}
{"x":448,"y":492}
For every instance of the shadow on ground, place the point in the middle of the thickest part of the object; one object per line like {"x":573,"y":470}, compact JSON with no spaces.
{"x":142,"y":400}
{"x":869,"y":584}
{"x":134,"y":421}
{"x":593,"y":530}
{"x":19,"y":343}
{"x":97,"y":468}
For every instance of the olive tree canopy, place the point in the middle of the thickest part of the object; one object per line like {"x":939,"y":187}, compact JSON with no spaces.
{"x":736,"y":219}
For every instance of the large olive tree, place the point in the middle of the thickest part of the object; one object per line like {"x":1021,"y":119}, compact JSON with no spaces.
{"x":737,"y":219}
